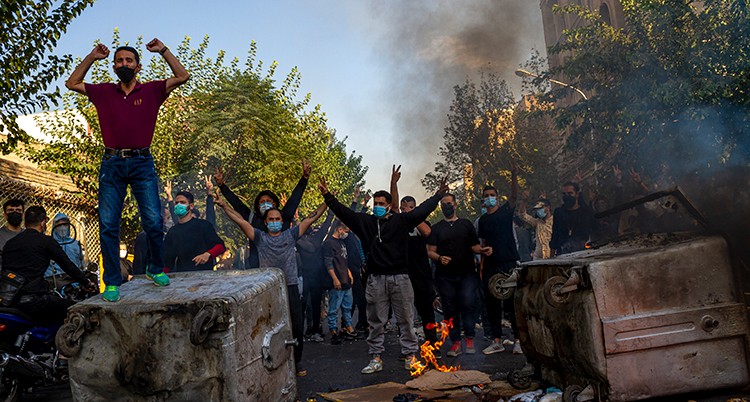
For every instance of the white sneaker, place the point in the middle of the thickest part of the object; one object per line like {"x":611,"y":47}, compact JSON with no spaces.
{"x":493,"y":348}
{"x":517,"y":348}
{"x":407,"y":363}
{"x":508,"y":342}
{"x":317,"y":338}
{"x":372,"y":367}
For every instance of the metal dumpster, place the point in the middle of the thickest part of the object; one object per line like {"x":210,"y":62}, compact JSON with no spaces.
{"x":649,"y":316}
{"x":209,"y":336}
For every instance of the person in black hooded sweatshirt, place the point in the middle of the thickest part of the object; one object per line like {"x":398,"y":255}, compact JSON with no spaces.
{"x":265,"y":200}
{"x":385,"y":237}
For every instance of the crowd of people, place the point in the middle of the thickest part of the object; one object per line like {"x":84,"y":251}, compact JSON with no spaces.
{"x":387,"y":264}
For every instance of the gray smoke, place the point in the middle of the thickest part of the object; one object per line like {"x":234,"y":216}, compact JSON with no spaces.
{"x":432,"y":46}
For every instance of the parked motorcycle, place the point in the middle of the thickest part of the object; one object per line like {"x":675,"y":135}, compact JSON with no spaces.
{"x":28,"y":356}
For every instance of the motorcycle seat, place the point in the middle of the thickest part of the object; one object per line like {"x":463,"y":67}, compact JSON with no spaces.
{"x":16,"y":312}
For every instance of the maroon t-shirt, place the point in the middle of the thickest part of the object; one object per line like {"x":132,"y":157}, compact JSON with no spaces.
{"x":127,"y":122}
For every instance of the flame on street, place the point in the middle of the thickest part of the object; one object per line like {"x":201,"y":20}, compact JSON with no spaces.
{"x":427,"y":351}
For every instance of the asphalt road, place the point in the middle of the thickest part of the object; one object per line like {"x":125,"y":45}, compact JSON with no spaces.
{"x":337,"y":367}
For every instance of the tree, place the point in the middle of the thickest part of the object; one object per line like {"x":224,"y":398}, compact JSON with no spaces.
{"x":670,"y":92}
{"x":485,"y":131}
{"x":29,"y":30}
{"x":225,"y":116}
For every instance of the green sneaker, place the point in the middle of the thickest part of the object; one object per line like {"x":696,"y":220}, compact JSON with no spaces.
{"x":160,"y":279}
{"x":111,"y":293}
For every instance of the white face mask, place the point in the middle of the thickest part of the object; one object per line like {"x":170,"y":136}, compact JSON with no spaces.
{"x":343,"y":235}
{"x":123,"y":253}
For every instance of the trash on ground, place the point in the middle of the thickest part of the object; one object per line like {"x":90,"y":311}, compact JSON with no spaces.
{"x":433,"y":379}
{"x":378,"y":393}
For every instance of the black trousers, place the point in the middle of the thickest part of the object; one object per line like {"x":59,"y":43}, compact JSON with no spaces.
{"x":496,"y":307}
{"x":358,"y":292}
{"x":295,"y":310}
{"x":46,"y":310}
{"x":423,"y":298}
{"x":457,"y":294}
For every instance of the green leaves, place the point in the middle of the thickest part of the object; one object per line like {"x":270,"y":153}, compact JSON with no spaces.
{"x":29,"y":30}
{"x":670,"y":92}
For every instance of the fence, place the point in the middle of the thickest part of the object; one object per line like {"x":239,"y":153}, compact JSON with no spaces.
{"x":82,"y":213}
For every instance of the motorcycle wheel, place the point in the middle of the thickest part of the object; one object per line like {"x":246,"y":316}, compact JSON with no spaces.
{"x":11,"y":390}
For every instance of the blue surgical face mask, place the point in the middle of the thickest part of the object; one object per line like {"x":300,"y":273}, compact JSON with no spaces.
{"x":379,"y":211}
{"x":265,"y":207}
{"x":541,"y":213}
{"x":490,"y":201}
{"x":180,"y":210}
{"x":274,"y":227}
{"x":484,"y":211}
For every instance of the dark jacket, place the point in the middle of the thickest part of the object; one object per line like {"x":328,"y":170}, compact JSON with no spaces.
{"x":255,"y":219}
{"x":29,"y":253}
{"x":384,"y":241}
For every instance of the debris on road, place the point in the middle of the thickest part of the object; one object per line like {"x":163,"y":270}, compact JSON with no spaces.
{"x":434,"y":379}
{"x":378,"y":393}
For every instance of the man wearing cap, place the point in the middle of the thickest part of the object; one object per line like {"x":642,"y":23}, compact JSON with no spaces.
{"x":127,"y":117}
{"x":72,"y":247}
{"x":541,"y":221}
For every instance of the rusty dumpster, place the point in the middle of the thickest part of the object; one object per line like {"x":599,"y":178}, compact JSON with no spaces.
{"x":209,"y":336}
{"x":650,"y":316}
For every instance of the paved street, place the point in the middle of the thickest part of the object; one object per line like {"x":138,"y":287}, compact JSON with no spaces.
{"x":336,"y":367}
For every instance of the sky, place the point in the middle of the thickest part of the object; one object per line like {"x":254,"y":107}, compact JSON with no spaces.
{"x":383,"y":71}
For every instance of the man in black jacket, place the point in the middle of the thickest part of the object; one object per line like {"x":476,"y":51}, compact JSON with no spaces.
{"x":28,"y":255}
{"x":385,"y":237}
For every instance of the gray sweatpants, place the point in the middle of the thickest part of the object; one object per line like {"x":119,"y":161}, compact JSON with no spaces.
{"x":390,"y":290}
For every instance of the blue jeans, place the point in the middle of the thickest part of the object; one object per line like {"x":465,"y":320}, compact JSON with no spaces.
{"x":336,"y":299}
{"x":115,"y":173}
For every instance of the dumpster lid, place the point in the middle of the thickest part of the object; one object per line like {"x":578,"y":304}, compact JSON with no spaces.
{"x":189,"y":287}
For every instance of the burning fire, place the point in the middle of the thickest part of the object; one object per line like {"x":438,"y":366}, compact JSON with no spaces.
{"x":587,"y":245}
{"x":427,"y":351}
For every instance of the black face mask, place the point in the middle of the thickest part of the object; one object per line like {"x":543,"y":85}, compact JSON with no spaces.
{"x":569,"y":201}
{"x":448,"y":210}
{"x":125,"y":74}
{"x":15,"y":218}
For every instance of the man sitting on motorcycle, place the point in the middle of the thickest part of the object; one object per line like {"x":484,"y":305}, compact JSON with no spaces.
{"x":28,"y":255}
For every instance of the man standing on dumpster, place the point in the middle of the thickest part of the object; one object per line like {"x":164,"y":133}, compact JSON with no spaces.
{"x":127,"y":117}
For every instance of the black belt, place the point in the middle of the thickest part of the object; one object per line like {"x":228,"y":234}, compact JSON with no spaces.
{"x":127,"y":153}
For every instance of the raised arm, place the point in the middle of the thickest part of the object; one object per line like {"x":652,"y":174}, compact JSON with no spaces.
{"x":305,"y":224}
{"x":246,"y":227}
{"x":75,"y":82}
{"x":210,"y":210}
{"x":423,"y":210}
{"x":395,"y":175}
{"x":345,"y":214}
{"x":232,"y":198}
{"x":180,"y":74}
{"x":290,"y":207}
{"x":513,"y":185}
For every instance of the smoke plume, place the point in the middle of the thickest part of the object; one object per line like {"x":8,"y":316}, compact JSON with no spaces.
{"x":431,"y":46}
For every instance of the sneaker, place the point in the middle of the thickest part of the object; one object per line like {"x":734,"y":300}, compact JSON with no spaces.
{"x":372,"y":367}
{"x":455,"y":350}
{"x":470,"y":347}
{"x":111,"y":293}
{"x":493,"y":348}
{"x":300,"y":371}
{"x":487,"y":338}
{"x":388,"y":327}
{"x":508,"y":342}
{"x":160,"y":279}
{"x":505,"y":322}
{"x":517,"y":348}
{"x":407,"y":362}
{"x":349,"y":336}
{"x":317,"y":338}
{"x":335,"y":338}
